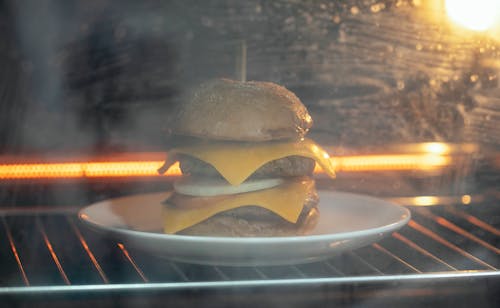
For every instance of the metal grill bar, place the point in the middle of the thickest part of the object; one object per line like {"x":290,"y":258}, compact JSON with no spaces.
{"x":282,"y":272}
{"x":85,"y":246}
{"x":451,"y":226}
{"x":369,"y":265}
{"x":179,"y":271}
{"x":413,"y":224}
{"x":413,"y":245}
{"x":298,"y":271}
{"x":334,"y":269}
{"x":474,"y":220}
{"x":260,"y":273}
{"x":284,"y":282}
{"x":53,"y":254}
{"x":387,"y":252}
{"x":317,"y":269}
{"x":14,"y":252}
{"x":221,"y":273}
{"x":129,"y":258}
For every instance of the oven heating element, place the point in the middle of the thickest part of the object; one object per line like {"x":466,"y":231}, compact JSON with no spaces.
{"x":431,"y":157}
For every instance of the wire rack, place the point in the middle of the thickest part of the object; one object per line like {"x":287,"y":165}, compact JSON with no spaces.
{"x":51,"y":248}
{"x":444,"y":250}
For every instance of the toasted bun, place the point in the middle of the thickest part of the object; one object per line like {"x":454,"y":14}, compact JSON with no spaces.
{"x":224,"y":109}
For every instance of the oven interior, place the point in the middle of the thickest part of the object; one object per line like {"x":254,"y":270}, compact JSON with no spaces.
{"x":388,"y":84}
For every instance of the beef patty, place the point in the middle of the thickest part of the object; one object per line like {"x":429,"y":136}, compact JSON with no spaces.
{"x":283,"y":167}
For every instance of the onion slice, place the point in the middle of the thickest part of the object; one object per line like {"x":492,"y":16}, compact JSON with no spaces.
{"x":203,"y":187}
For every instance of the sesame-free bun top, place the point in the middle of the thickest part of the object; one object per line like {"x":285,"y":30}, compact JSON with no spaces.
{"x":224,"y":109}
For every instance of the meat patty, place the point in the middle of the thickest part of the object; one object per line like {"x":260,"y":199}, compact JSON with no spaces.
{"x":249,"y":221}
{"x":283,"y":167}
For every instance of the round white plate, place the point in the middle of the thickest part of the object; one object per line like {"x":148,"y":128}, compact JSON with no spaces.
{"x":347,"y":221}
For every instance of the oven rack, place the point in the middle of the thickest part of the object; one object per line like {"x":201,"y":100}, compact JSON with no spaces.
{"x":46,"y":252}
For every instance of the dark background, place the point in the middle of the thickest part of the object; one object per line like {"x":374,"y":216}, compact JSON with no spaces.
{"x":85,"y":76}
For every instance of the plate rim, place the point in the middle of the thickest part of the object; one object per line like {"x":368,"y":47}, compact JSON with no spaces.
{"x":405,"y":214}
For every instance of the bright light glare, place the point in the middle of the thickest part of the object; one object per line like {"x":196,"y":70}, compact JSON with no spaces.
{"x":479,"y":15}
{"x":436,"y":148}
{"x":425,"y":200}
{"x":466,"y":199}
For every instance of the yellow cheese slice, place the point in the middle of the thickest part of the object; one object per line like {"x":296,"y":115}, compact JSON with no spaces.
{"x":237,"y":161}
{"x":285,"y":200}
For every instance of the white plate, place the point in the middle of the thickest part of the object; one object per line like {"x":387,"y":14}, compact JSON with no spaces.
{"x":347,"y":221}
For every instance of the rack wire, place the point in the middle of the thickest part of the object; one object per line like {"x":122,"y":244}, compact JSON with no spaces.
{"x":52,"y":248}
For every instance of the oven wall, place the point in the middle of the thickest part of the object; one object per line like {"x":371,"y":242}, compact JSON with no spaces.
{"x":103,"y":75}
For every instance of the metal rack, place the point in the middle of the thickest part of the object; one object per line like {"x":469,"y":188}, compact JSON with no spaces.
{"x":51,"y":247}
{"x":444,"y":250}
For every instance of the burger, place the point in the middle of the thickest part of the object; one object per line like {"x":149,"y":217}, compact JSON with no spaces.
{"x":246,"y":163}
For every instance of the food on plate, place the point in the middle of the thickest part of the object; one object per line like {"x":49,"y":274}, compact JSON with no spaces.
{"x":246,"y":162}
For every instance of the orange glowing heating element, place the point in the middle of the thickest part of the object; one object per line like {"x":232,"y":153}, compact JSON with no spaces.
{"x":146,"y":168}
{"x":390,"y":162}
{"x":84,"y":169}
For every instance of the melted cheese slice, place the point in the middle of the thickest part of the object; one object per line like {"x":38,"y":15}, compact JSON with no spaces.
{"x":287,"y":200}
{"x":237,"y":161}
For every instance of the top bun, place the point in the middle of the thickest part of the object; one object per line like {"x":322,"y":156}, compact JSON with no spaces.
{"x":224,"y":109}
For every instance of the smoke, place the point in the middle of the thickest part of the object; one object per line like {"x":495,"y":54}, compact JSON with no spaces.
{"x":98,"y":74}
